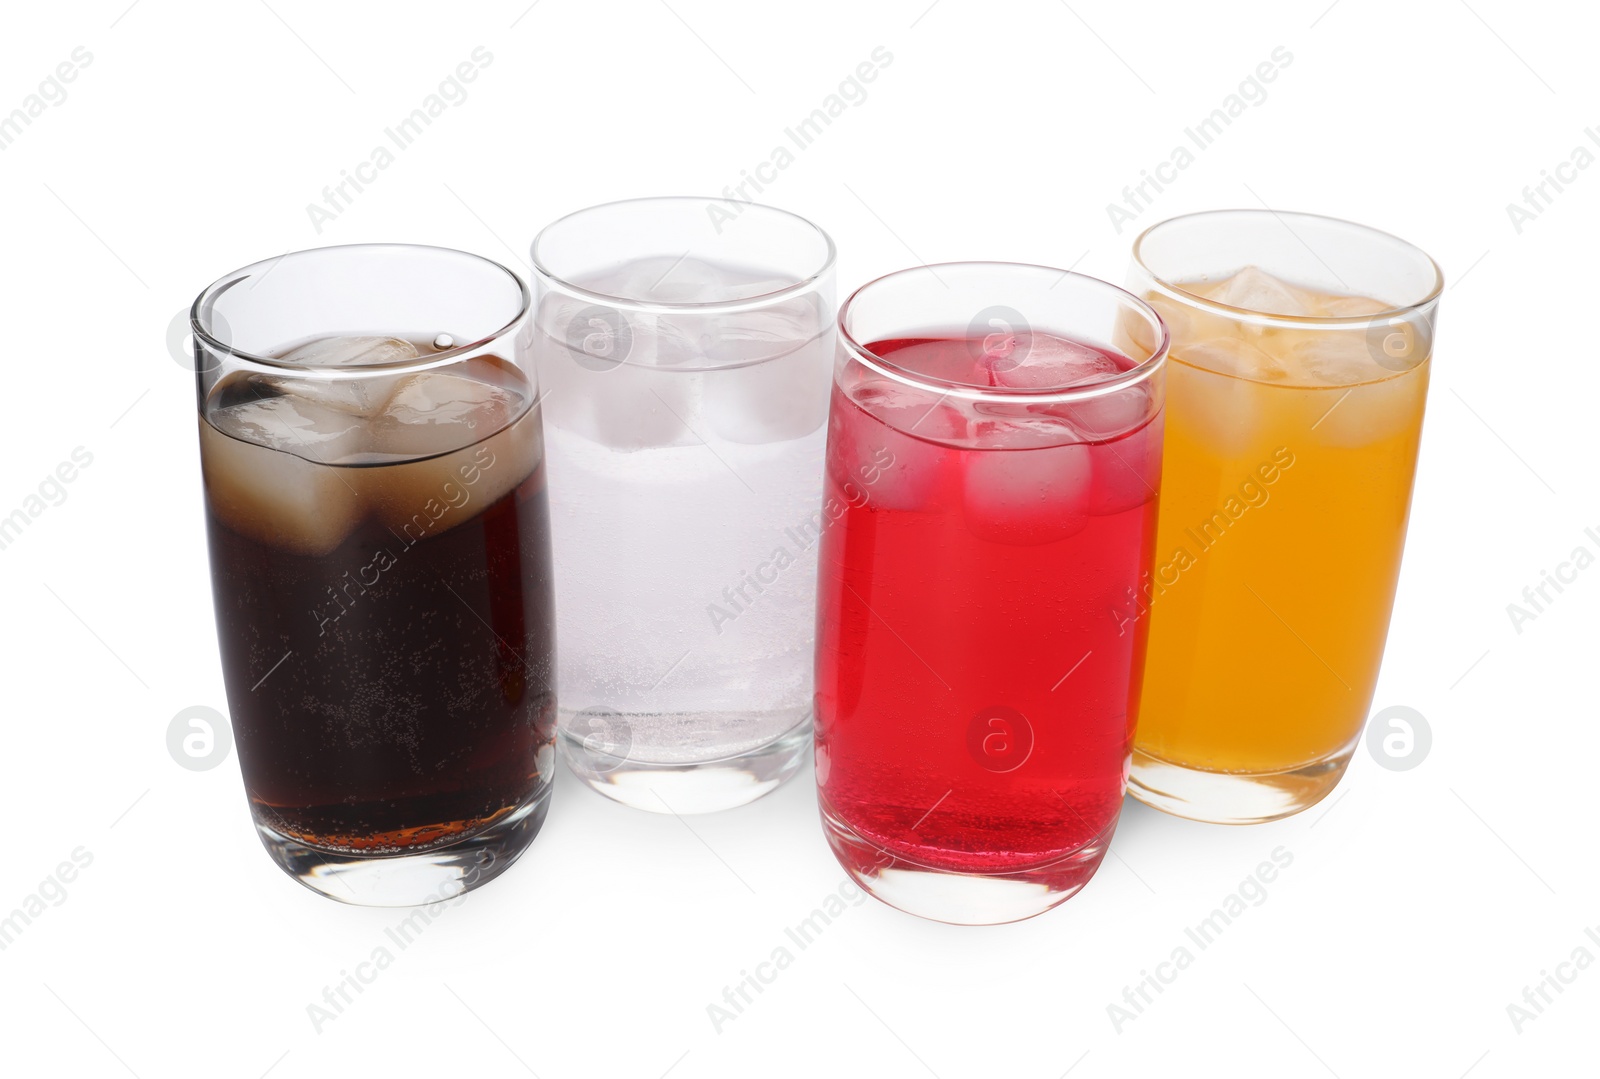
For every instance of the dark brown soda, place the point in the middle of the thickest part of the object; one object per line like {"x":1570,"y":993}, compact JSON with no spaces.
{"x":416,"y":688}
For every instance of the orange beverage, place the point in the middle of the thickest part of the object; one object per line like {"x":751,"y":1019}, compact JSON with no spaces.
{"x":1294,"y":413}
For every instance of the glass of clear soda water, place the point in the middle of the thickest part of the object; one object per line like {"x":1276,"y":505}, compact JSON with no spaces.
{"x":684,"y":348}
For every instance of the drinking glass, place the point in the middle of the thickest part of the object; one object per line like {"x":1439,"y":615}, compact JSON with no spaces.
{"x":684,"y":346}
{"x":994,"y":453}
{"x":380,"y":564}
{"x":1300,"y":360}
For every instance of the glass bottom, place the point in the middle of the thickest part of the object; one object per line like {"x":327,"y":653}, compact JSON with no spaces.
{"x":692,"y":787}
{"x":1234,"y":797}
{"x":411,"y":880}
{"x":944,"y":895}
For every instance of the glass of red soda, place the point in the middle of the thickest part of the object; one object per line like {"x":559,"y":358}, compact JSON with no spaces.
{"x":993,"y":462}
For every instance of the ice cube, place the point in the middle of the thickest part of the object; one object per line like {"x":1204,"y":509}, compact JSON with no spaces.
{"x":1332,"y":358}
{"x":1015,"y":426}
{"x":432,"y":443}
{"x":439,"y":411}
{"x":350,"y":352}
{"x":763,"y":334}
{"x":1369,"y":413}
{"x":679,"y":279}
{"x":1232,"y":356}
{"x":1186,"y":322}
{"x":357,"y":397}
{"x":421,"y":498}
{"x":1253,"y":289}
{"x":635,"y":408}
{"x":1223,"y":415}
{"x":652,"y":397}
{"x":1349,"y":306}
{"x":673,"y":381}
{"x":1045,"y":361}
{"x":276,"y":497}
{"x":1108,"y":415}
{"x":774,"y":401}
{"x":608,"y":375}
{"x":297,"y":416}
{"x":1127,"y":471}
{"x":894,"y":447}
{"x":1026,"y":497}
{"x":913,"y":411}
{"x":777,"y":389}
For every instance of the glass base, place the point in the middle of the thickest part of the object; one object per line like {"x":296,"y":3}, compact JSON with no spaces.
{"x":695,"y":787}
{"x":944,"y":895}
{"x":411,"y":880}
{"x":1233,"y":797}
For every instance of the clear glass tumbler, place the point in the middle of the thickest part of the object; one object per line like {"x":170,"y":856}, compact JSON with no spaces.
{"x":1300,"y":360}
{"x":683,"y":346}
{"x":994,"y":456}
{"x":380,"y":564}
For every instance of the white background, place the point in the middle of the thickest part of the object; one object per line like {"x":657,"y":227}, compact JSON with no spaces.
{"x":1419,"y":904}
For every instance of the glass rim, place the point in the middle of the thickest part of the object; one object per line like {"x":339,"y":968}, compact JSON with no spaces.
{"x":1139,"y":372}
{"x":1174,"y":291}
{"x":830,"y":257}
{"x":211,"y":292}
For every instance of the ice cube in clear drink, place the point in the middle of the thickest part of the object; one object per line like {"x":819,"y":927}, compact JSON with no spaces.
{"x":637,"y":407}
{"x":772,"y":385}
{"x":773,"y":401}
{"x":681,"y":279}
{"x":676,"y":386}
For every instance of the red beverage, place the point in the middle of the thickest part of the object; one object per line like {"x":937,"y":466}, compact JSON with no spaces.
{"x":979,"y":650}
